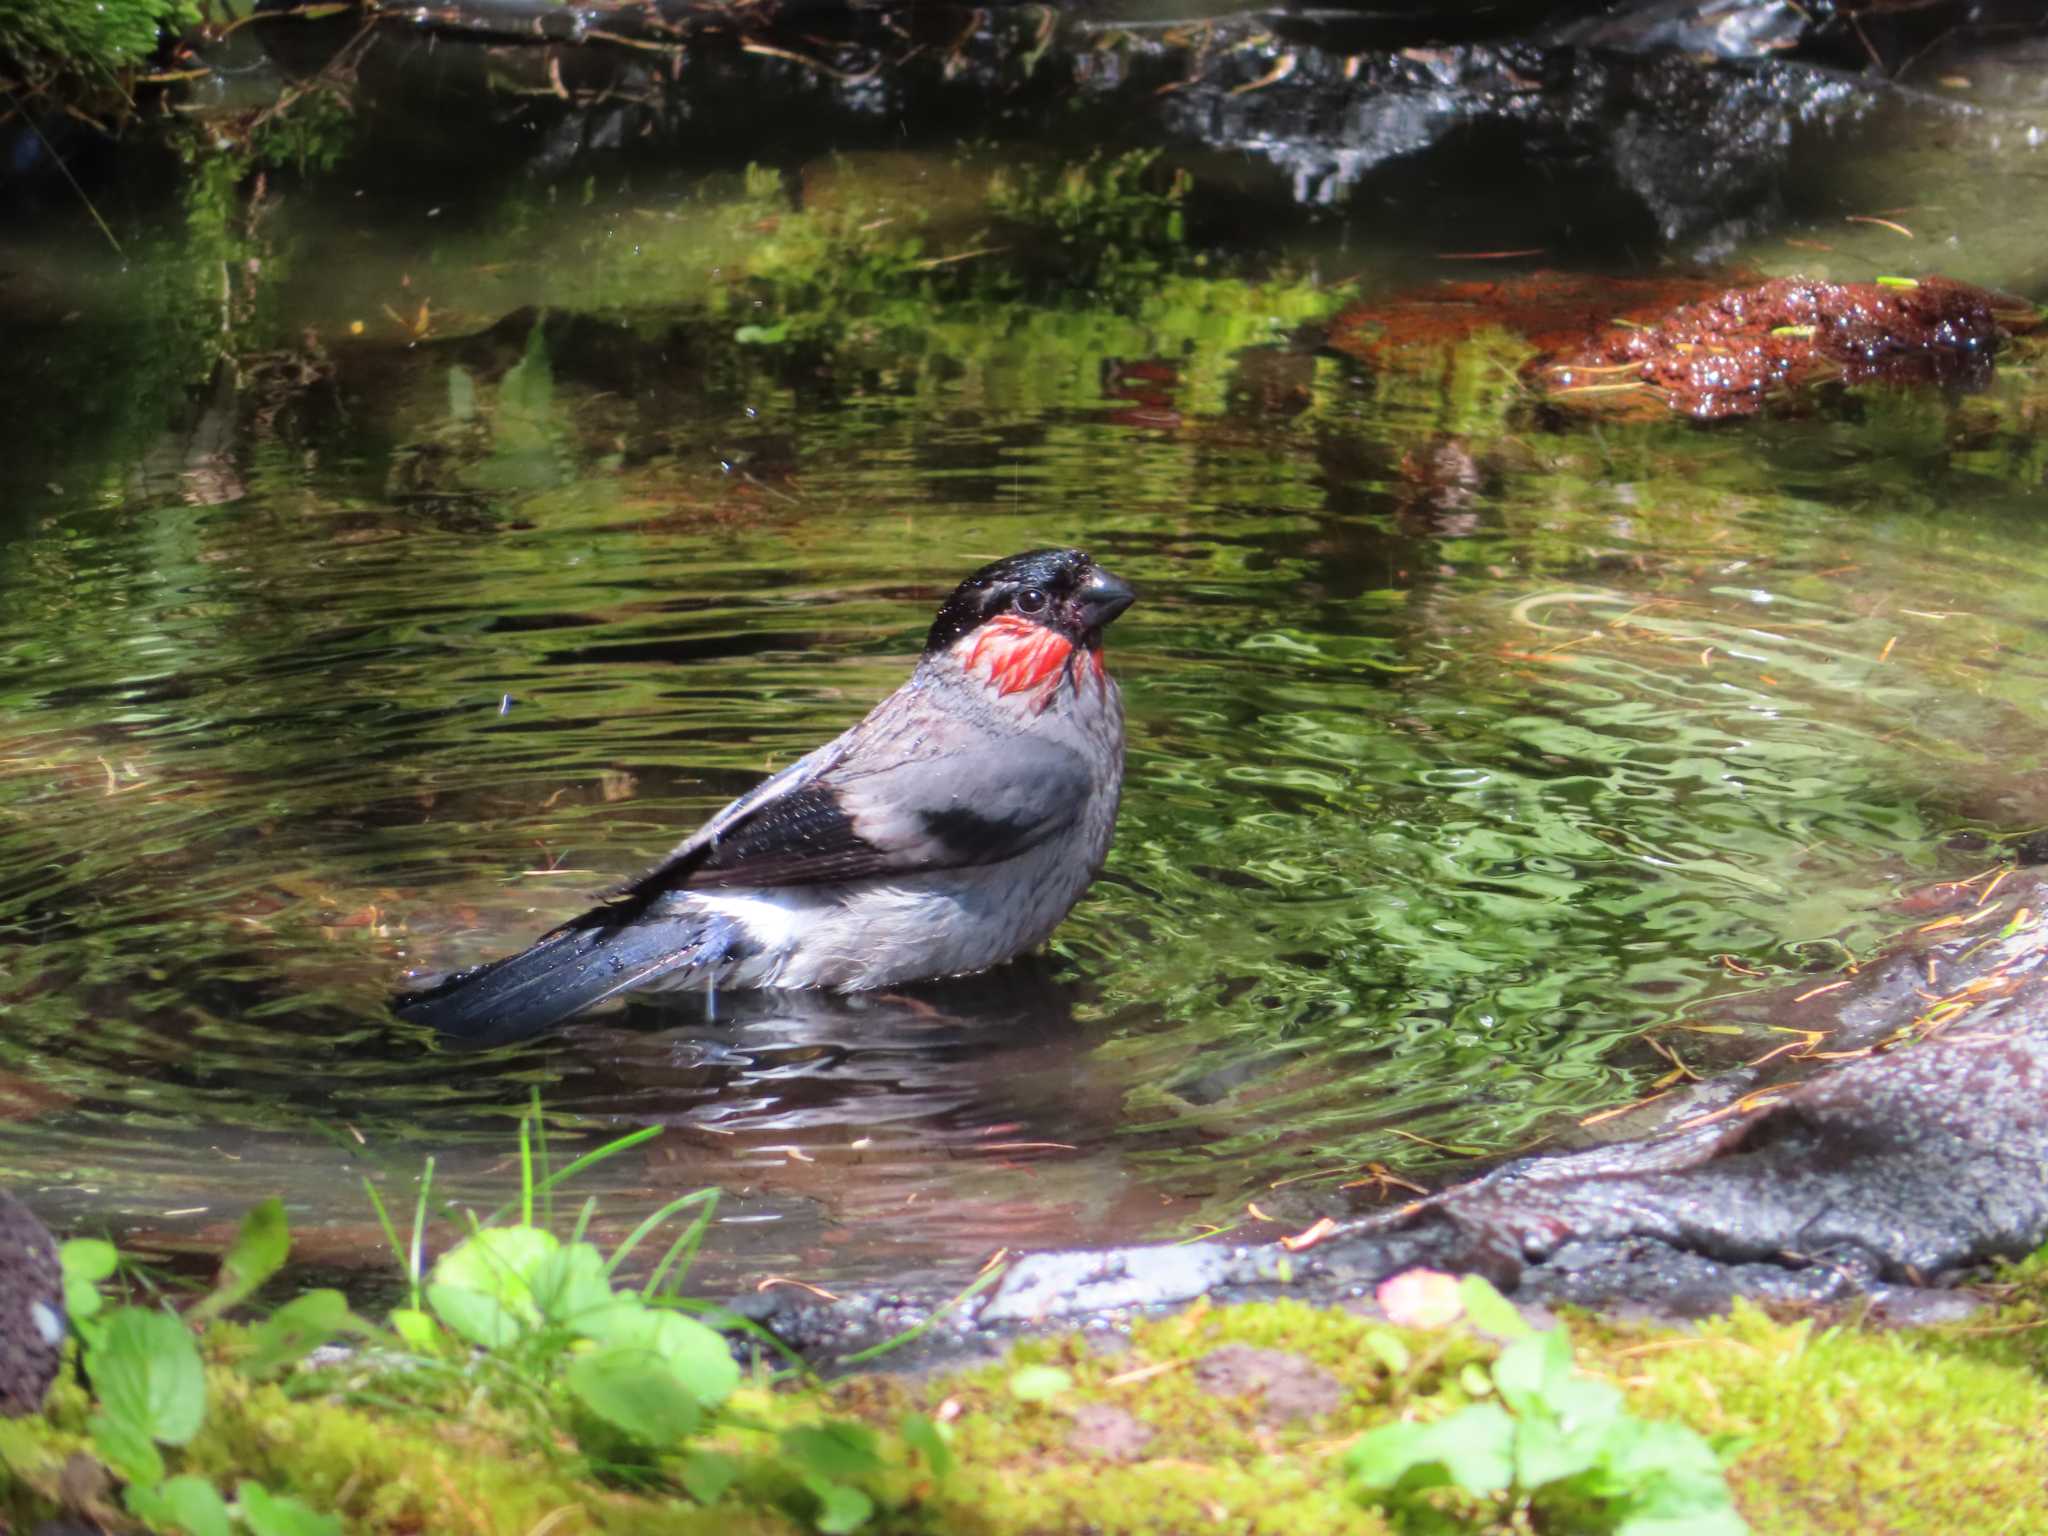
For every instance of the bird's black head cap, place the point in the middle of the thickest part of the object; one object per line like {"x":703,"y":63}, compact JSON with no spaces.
{"x":1063,"y":589}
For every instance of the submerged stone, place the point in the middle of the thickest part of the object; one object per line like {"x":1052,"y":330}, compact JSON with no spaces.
{"x":1745,"y":348}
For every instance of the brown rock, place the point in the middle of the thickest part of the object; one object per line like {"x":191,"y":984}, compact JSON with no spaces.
{"x":1109,"y":1433}
{"x":1287,"y":1386}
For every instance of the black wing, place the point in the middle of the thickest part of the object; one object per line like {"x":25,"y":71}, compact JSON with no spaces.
{"x":829,"y":820}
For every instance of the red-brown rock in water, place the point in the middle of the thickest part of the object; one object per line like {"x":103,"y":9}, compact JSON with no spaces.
{"x":1732,"y":354}
{"x":1551,"y":311}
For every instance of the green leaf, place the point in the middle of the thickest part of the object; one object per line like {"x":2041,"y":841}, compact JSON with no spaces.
{"x":147,"y":1372}
{"x":259,"y":1251}
{"x":837,"y":1451}
{"x":418,"y":1329}
{"x":91,"y":1259}
{"x":1389,"y":1350}
{"x":637,"y":1392}
{"x":840,"y":1508}
{"x":1039,"y":1383}
{"x":923,"y":1435}
{"x":1491,"y":1312}
{"x":761,"y":335}
{"x":481,"y":1319}
{"x":1547,"y":1452}
{"x":295,"y":1330}
{"x":189,"y":1504}
{"x":1582,"y":1404}
{"x":126,"y":1448}
{"x":1473,"y":1448}
{"x":698,"y":1355}
{"x":570,"y":1285}
{"x":273,"y":1514}
{"x":1531,"y":1369}
{"x":81,"y":1300}
{"x":498,"y":1261}
{"x":705,"y":1475}
{"x":1671,"y":1482}
{"x":85,"y":1261}
{"x":483,"y":1286}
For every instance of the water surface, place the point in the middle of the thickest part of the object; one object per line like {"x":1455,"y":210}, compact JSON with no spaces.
{"x":1472,"y":750}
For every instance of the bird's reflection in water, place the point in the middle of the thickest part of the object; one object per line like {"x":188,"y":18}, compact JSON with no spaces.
{"x":920,"y":1123}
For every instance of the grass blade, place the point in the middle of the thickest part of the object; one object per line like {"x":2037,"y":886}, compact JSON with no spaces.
{"x":414,"y":1269}
{"x":682,"y":1253}
{"x":706,"y":1197}
{"x":589,"y":1159}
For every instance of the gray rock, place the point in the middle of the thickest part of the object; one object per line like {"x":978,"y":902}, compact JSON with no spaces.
{"x":31,"y":1309}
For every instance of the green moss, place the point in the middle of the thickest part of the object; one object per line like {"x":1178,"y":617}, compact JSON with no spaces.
{"x":1836,"y":1430}
{"x":1848,"y":1429}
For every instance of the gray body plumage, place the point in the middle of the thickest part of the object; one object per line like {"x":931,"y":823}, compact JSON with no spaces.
{"x":950,"y":830}
{"x":1030,"y":798}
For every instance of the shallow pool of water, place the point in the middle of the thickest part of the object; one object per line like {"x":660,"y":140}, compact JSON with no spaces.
{"x":1472,"y":749}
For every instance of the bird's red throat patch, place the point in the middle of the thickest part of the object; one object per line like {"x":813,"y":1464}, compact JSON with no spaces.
{"x":1020,"y":656}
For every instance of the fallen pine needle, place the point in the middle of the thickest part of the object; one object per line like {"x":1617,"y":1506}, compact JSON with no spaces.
{"x":1621,"y":1109}
{"x":1308,"y":1238}
{"x":766,"y":51}
{"x":1282,"y":68}
{"x":1958,"y":920}
{"x":1143,"y":1373}
{"x":1382,"y":1175}
{"x":1808,"y":1039}
{"x":1895,"y":228}
{"x":1742,"y":1106}
{"x":802,"y":1285}
{"x":1320,"y":1173}
{"x":1833,"y":986}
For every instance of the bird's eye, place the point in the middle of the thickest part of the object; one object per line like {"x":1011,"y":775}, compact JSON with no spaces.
{"x":1030,"y":600}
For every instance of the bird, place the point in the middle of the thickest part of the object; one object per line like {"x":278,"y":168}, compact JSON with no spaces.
{"x":949,"y":831}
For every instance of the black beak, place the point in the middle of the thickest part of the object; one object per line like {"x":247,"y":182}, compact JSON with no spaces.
{"x":1101,"y":598}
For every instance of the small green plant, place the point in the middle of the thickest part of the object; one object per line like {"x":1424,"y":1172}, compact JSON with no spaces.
{"x":635,"y":1377}
{"x":628,"y":1383}
{"x":149,"y":1382}
{"x":1549,"y":1441}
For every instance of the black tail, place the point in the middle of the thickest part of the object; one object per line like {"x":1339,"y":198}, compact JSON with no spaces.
{"x":598,"y":956}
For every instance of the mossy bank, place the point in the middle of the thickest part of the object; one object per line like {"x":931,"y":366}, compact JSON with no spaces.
{"x":1826,"y":1428}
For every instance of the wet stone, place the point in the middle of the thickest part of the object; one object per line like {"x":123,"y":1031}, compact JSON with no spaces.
{"x":1109,"y":1433}
{"x":31,"y":1309}
{"x":1288,"y":1387}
